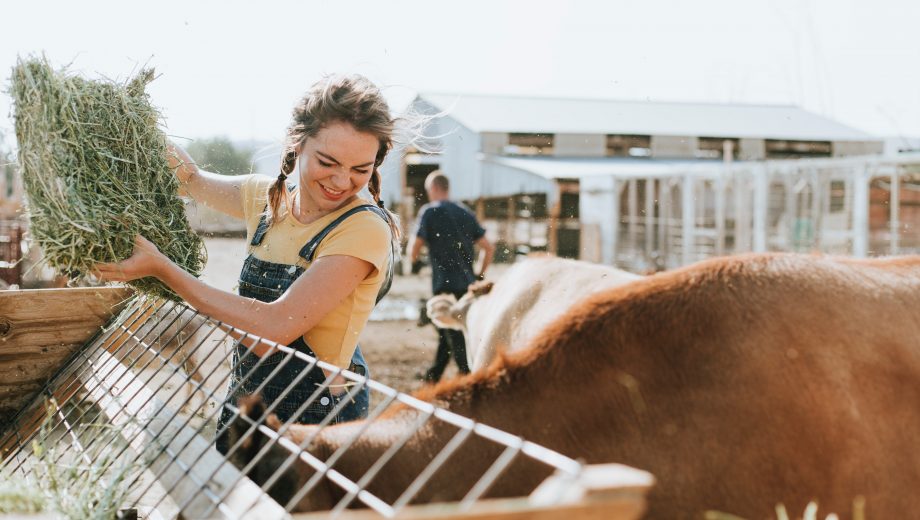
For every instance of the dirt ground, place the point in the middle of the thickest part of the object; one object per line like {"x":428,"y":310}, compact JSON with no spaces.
{"x":395,"y":347}
{"x":397,"y":350}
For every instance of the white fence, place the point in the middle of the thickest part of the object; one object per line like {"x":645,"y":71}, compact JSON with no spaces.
{"x":684,"y":213}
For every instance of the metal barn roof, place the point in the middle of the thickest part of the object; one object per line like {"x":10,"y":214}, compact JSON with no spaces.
{"x":482,"y":113}
{"x":579,"y":168}
{"x":629,"y":168}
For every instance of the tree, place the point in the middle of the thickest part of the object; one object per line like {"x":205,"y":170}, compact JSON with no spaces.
{"x":9,"y":176}
{"x":219,"y":155}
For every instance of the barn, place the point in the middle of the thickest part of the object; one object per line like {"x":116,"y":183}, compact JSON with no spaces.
{"x":651,"y":185}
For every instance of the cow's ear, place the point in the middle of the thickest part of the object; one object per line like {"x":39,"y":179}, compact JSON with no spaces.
{"x":438,"y":305}
{"x":480,"y":288}
{"x":455,"y":317}
{"x":443,"y":311}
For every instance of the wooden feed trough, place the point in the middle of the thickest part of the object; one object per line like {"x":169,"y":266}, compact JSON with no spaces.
{"x":141,"y":397}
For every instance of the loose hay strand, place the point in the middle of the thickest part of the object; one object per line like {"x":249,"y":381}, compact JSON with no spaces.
{"x":91,"y":487}
{"x":95,"y":171}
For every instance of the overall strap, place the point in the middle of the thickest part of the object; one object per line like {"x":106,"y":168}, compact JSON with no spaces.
{"x":262,"y":228}
{"x":308,"y":251}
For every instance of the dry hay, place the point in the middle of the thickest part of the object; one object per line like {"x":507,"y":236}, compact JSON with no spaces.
{"x":95,"y":171}
{"x":81,"y":478}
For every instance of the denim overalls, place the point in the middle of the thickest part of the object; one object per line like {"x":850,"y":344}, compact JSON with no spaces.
{"x":267,"y":281}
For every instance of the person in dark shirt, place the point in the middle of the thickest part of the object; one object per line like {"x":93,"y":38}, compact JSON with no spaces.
{"x":450,"y":231}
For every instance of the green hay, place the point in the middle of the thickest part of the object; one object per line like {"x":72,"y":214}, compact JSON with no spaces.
{"x":74,"y":484}
{"x":95,"y":171}
{"x":17,"y":496}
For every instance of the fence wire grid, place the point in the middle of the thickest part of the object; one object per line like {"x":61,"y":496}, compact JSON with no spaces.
{"x":138,"y":404}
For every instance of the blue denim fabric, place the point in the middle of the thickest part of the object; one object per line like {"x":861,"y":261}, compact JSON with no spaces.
{"x":267,"y":281}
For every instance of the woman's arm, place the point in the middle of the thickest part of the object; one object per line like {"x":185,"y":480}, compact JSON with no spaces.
{"x":314,"y":294}
{"x":220,"y":192}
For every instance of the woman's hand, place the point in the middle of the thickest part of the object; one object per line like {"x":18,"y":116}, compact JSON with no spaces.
{"x":146,"y":260}
{"x":181,"y":163}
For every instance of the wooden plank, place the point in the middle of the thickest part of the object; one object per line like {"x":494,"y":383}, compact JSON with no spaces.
{"x":628,"y":507}
{"x":131,"y":405}
{"x":31,"y":419}
{"x":601,"y":492}
{"x":40,"y":329}
{"x":39,"y":317}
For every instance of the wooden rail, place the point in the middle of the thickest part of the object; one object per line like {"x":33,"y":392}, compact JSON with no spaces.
{"x":602,"y":492}
{"x":40,"y":329}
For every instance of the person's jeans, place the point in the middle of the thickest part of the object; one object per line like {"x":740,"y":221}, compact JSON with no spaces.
{"x":449,"y":342}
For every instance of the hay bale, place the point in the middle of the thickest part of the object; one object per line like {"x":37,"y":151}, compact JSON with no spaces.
{"x":96,"y":174}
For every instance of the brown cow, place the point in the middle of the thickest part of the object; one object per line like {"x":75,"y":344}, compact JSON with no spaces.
{"x":739,"y":383}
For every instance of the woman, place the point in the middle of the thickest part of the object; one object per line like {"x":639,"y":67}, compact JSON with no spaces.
{"x":320,"y":255}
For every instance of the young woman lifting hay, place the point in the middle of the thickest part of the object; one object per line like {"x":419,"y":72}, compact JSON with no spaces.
{"x":320,"y":256}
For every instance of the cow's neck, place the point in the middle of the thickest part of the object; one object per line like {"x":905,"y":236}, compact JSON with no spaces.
{"x":507,"y":399}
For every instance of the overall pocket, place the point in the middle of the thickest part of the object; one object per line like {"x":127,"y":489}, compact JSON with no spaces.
{"x":259,"y":292}
{"x":266,"y":281}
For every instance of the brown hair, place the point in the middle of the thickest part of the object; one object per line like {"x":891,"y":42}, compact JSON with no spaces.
{"x":439,"y":180}
{"x":351,"y":99}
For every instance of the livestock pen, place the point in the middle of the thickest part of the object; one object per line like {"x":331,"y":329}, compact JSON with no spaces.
{"x":653,"y":216}
{"x":131,"y":406}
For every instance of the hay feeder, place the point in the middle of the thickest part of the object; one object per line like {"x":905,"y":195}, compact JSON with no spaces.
{"x":141,"y":395}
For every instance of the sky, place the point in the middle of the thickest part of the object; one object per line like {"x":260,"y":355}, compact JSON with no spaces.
{"x":235,"y":69}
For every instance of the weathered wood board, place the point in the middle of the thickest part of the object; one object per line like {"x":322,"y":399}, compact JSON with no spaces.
{"x":40,"y":329}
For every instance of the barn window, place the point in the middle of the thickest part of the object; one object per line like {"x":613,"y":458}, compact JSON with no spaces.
{"x":496,"y":208}
{"x":838,"y":194}
{"x":531,"y":206}
{"x":568,"y":204}
{"x":530,"y":144}
{"x":783,"y":149}
{"x":714,"y":147}
{"x":629,"y":145}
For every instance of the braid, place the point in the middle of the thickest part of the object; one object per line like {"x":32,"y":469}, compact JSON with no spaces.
{"x":373,"y":186}
{"x":288,"y":162}
{"x":278,"y":190}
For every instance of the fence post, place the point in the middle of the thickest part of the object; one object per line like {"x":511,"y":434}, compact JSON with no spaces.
{"x":861,"y":212}
{"x":761,"y":194}
{"x":894,"y":204}
{"x":688,"y":217}
{"x":615,"y":187}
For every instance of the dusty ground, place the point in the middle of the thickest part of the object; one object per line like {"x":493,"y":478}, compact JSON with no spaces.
{"x":395,"y":347}
{"x":397,"y":350}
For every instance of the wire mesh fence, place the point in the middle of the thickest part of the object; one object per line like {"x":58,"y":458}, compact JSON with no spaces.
{"x":134,"y":412}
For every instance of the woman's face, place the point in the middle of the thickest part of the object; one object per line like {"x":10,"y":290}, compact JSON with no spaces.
{"x":334,"y":165}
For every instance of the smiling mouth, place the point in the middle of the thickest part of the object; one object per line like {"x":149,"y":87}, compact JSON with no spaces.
{"x":330,"y":192}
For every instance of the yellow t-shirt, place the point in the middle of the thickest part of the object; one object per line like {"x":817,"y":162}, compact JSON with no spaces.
{"x":363,"y":235}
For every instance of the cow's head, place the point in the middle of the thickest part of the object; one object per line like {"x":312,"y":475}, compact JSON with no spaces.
{"x":272,"y":457}
{"x":449,"y":313}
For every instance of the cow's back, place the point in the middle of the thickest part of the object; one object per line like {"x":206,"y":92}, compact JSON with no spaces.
{"x":739,"y":383}
{"x":530,"y":295}
{"x":743,"y":383}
